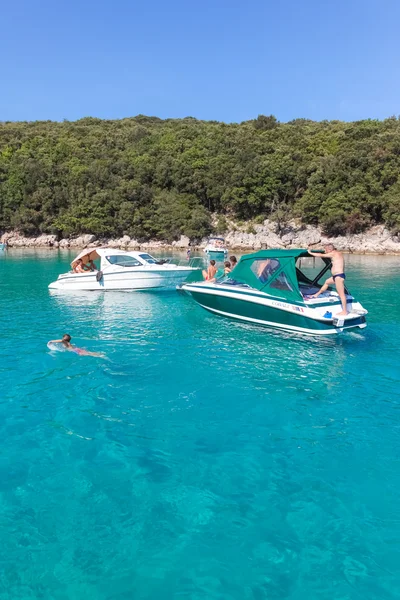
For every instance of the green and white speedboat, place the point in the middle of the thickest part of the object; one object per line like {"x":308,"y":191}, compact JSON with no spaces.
{"x":274,"y":288}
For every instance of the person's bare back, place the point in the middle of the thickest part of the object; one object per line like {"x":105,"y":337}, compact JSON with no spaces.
{"x":66,"y":343}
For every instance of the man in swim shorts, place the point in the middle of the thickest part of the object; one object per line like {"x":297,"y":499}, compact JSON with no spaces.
{"x":66,"y":342}
{"x":338,"y":275}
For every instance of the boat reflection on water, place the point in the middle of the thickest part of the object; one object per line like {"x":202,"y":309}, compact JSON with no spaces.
{"x":115,"y":315}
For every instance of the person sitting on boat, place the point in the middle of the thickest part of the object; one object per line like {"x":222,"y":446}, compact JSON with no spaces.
{"x":211,"y":271}
{"x":79,"y":266}
{"x":66,"y":342}
{"x":338,"y":275}
{"x":227,"y":267}
{"x":233,"y":261}
{"x":90,"y":266}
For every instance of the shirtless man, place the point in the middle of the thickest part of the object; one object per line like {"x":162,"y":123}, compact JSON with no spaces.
{"x":338,"y":275}
{"x":66,"y":342}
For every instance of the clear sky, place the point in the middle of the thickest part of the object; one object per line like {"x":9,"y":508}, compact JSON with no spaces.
{"x":223,"y":60}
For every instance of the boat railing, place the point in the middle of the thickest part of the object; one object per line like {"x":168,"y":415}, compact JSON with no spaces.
{"x":196,"y":262}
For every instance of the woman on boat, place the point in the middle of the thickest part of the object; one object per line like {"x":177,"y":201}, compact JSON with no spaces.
{"x":79,"y":267}
{"x":233,"y":261}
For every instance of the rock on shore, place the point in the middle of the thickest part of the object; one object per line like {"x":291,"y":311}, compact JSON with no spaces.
{"x":247,"y":237}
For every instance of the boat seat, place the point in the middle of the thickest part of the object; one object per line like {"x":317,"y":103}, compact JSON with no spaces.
{"x":308,"y":290}
{"x":234,"y":282}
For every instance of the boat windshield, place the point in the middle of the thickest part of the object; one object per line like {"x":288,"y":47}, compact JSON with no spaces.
{"x":265,"y":268}
{"x":123,"y":261}
{"x":149,"y":259}
{"x":310,"y":269}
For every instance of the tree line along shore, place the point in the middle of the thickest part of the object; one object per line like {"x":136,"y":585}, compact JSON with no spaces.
{"x":153,"y":179}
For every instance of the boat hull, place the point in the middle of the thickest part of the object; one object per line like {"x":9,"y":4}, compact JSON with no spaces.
{"x":268,"y":312}
{"x":216,"y":254}
{"x":130,"y":281}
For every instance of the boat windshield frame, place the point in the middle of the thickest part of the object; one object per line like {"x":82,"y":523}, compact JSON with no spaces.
{"x":153,"y":261}
{"x":321,"y":273}
{"x":274,"y":272}
{"x":127,"y":257}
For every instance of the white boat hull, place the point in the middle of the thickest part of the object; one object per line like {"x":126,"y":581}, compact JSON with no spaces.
{"x":132,"y":280}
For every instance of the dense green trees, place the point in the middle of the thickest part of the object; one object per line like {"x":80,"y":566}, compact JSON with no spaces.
{"x":150,"y":178}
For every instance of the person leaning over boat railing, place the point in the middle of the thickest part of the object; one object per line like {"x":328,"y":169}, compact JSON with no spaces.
{"x":338,"y":275}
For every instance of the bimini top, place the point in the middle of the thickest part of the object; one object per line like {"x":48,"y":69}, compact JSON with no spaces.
{"x":95,"y":253}
{"x":217,"y":239}
{"x":272,"y":272}
{"x":85,"y":256}
{"x":280,"y":253}
{"x":113,"y":256}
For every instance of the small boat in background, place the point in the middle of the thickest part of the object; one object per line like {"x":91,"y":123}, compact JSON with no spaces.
{"x":216,"y":248}
{"x":3,"y":247}
{"x":120,"y":270}
{"x":274,"y":288}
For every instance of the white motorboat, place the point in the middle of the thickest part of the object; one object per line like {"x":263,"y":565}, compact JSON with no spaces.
{"x":216,"y":248}
{"x":120,"y":270}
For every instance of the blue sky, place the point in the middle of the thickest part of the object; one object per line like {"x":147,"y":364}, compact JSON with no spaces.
{"x":229,"y":61}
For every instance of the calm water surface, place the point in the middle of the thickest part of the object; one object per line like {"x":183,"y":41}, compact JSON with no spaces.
{"x":204,"y":459}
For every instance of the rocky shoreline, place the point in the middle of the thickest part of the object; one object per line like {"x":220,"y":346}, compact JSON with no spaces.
{"x":247,"y":237}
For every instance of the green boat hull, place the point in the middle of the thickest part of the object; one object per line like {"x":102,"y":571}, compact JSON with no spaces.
{"x":270,"y":316}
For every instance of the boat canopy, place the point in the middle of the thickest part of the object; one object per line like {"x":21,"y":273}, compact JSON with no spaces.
{"x":85,"y":256}
{"x":216,"y":239}
{"x":272,"y":272}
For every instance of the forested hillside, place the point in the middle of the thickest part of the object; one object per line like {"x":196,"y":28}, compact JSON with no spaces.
{"x":150,"y":178}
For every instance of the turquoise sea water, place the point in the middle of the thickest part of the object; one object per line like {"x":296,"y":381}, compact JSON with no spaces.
{"x":205,"y":459}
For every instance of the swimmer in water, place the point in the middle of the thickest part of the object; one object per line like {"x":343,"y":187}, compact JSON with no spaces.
{"x":66,"y":342}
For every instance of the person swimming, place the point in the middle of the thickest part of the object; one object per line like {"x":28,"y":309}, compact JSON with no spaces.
{"x":66,"y":342}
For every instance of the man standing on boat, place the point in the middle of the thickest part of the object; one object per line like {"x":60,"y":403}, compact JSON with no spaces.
{"x":338,"y":275}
